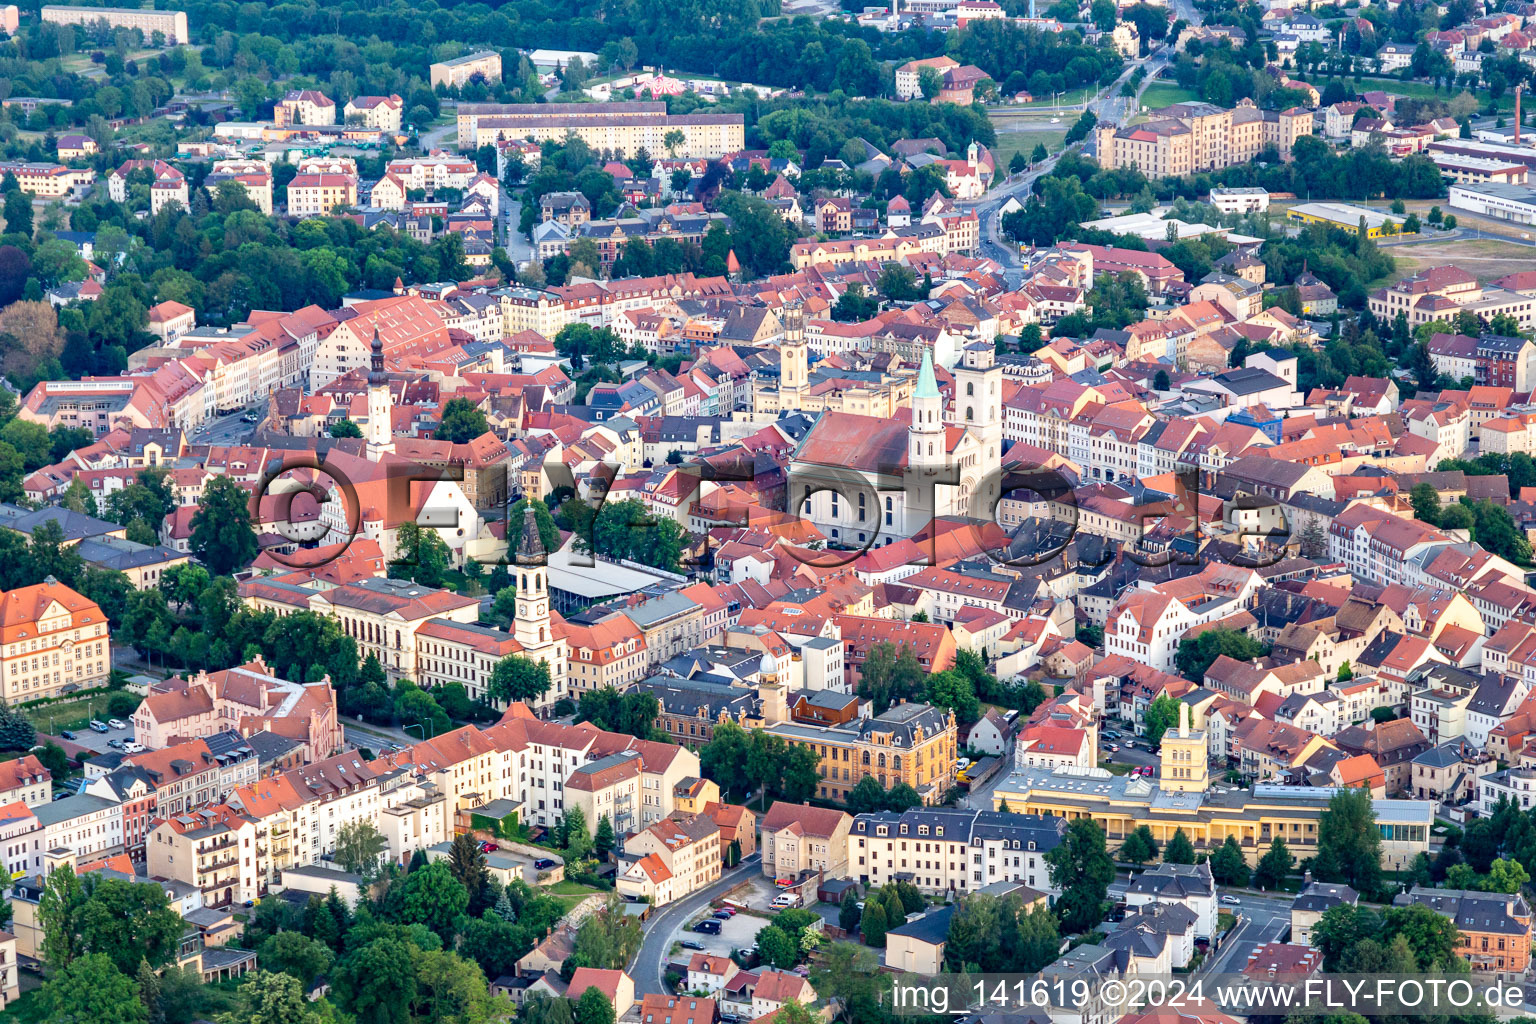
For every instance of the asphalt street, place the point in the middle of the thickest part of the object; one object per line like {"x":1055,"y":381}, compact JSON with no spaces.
{"x":650,"y":963}
{"x":1265,"y":919}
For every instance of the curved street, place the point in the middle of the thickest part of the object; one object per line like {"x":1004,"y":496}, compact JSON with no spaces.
{"x":650,"y":963}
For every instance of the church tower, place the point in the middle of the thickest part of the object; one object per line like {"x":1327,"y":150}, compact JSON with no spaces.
{"x":925,"y":438}
{"x":794,"y":362}
{"x":381,"y":436}
{"x":1185,"y":761}
{"x":979,"y":408}
{"x":530,"y":625}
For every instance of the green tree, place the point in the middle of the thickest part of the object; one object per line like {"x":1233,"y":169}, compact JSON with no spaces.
{"x":377,"y":982}
{"x":222,"y":537}
{"x":953,"y":692}
{"x":777,"y":948}
{"x":1196,"y":655}
{"x":1426,"y":503}
{"x":1160,"y":716}
{"x":345,"y":428}
{"x":848,"y":912}
{"x":1228,"y":865}
{"x":58,"y":911}
{"x":1506,"y":876}
{"x":573,"y":830}
{"x":466,"y":863}
{"x":1179,"y":849}
{"x":91,"y":990}
{"x":268,"y":998}
{"x":432,"y":897}
{"x":359,"y":845}
{"x":462,"y":422}
{"x":296,"y":954}
{"x":1348,"y":842}
{"x":850,"y":974}
{"x":867,"y":797}
{"x":1431,"y":937}
{"x":603,"y":841}
{"x":872,"y":925}
{"x":1139,"y":847}
{"x":1275,"y":866}
{"x":592,"y":1007}
{"x":516,"y":678}
{"x":1080,"y":866}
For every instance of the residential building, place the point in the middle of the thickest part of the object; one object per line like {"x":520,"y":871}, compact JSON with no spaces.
{"x":484,"y":65}
{"x":1495,"y":927}
{"x":24,"y":780}
{"x":169,"y":26}
{"x":799,"y":838}
{"x":52,"y":641}
{"x":945,"y":850}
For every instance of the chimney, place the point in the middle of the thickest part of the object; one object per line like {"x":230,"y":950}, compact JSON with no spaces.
{"x":1183,"y":719}
{"x":1517,"y":113}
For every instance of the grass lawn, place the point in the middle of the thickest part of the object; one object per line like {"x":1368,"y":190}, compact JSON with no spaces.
{"x":571,"y":893}
{"x":23,"y":1009}
{"x":1075,"y":98}
{"x":1486,"y":258}
{"x":1009,"y":143}
{"x":74,"y":714}
{"x":1422,"y":90}
{"x":1165,"y":94}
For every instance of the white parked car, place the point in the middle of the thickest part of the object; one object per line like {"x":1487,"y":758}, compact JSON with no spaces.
{"x":1231,"y":901}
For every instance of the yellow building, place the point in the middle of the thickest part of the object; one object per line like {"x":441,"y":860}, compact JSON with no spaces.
{"x":456,"y":72}
{"x":1348,"y":217}
{"x":1188,"y":138}
{"x":1181,"y":799}
{"x":705,"y":136}
{"x":48,"y":181}
{"x":315,"y":195}
{"x":913,"y":744}
{"x":51,"y":638}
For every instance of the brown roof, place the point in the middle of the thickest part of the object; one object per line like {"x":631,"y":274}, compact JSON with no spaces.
{"x":804,"y":819}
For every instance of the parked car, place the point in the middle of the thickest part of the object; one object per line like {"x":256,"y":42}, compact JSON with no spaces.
{"x":1232,"y":901}
{"x":708,"y":926}
{"x":115,"y":744}
{"x":66,"y":734}
{"x":543,"y":864}
{"x":724,"y":915}
{"x":1114,"y":748}
{"x":783,"y":883}
{"x":487,"y":846}
{"x":133,"y":747}
{"x":690,"y":944}
{"x":117,"y":723}
{"x":784,"y":901}
{"x":98,"y":726}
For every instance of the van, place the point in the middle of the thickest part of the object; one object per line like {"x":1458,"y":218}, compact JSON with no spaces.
{"x":785,"y":900}
{"x":98,"y":726}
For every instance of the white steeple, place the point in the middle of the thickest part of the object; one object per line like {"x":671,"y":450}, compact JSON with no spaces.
{"x":381,"y":436}
{"x":925,"y":438}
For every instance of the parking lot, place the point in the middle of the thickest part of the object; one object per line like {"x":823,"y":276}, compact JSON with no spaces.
{"x":740,"y":932}
{"x":97,"y":741}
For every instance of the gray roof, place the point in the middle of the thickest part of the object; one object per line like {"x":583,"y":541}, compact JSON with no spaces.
{"x":1044,"y":831}
{"x":1175,"y":881}
{"x":932,"y":927}
{"x":76,"y":806}
{"x":1472,"y":911}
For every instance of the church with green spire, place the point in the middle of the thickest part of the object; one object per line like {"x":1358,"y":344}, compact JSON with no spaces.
{"x":868,"y":481}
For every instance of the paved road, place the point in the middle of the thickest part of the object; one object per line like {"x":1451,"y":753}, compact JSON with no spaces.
{"x":1265,"y":919}
{"x":226,"y":429}
{"x":650,"y":963}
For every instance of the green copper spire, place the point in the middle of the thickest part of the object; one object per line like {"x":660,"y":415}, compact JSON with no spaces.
{"x":927,"y":385}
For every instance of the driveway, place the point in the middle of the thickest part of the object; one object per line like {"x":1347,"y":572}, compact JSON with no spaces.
{"x":650,"y":962}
